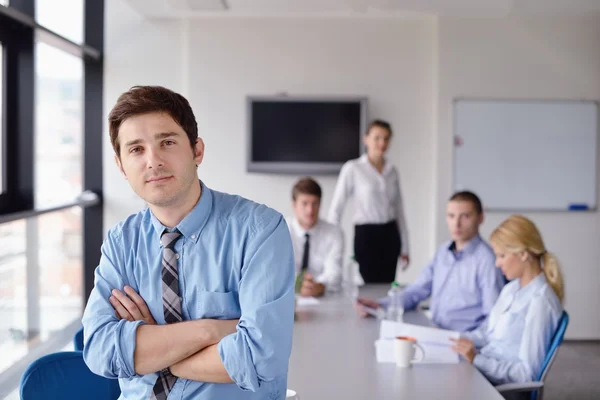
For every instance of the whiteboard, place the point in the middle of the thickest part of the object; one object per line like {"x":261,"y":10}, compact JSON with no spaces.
{"x":527,"y":155}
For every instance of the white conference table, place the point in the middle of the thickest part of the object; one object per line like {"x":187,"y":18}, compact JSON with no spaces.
{"x":333,"y":358}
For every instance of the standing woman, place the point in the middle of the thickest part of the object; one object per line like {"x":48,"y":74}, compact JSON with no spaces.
{"x":380,"y":234}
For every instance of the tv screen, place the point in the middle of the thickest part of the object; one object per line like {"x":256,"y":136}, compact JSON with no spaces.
{"x":304,"y":136}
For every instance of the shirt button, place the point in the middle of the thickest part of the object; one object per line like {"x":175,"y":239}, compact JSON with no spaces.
{"x":193,"y":236}
{"x":177,"y":256}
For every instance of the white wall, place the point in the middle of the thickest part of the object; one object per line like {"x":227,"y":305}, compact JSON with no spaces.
{"x":137,"y":52}
{"x":410,"y":70}
{"x":550,"y":58}
{"x":216,"y":63}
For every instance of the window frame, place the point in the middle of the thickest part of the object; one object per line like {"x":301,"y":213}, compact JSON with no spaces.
{"x":19,"y":32}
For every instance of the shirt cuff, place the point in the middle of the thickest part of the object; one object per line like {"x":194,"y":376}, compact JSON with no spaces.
{"x":322,"y":279}
{"x":236,"y":362}
{"x":383,"y":302}
{"x":480,"y":362}
{"x":126,"y":332}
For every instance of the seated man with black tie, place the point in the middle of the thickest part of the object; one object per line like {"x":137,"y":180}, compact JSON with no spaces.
{"x":318,"y":244}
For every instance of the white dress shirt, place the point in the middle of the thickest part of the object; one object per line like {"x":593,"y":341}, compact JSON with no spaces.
{"x":325,"y":254}
{"x":377,"y":196}
{"x":514,"y":340}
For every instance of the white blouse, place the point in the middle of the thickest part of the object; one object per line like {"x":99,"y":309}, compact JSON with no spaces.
{"x":377,"y":196}
{"x":514,"y":340}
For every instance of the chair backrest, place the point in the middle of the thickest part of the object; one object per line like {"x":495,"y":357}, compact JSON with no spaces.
{"x":556,"y":341}
{"x":65,"y":375}
{"x":78,"y":340}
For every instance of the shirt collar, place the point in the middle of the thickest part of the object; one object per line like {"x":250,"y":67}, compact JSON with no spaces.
{"x":191,"y":225}
{"x":364,"y":159}
{"x":532,"y":287}
{"x":469,"y":248}
{"x":300,"y":231}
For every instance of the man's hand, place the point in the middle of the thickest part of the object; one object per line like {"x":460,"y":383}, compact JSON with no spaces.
{"x":310,"y":287}
{"x":363,"y":302}
{"x":130,"y":306}
{"x":466,"y":348}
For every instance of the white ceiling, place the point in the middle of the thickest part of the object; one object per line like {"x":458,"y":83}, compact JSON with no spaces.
{"x":362,"y":8}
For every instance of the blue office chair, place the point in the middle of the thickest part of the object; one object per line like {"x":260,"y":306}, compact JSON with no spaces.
{"x":78,"y":340}
{"x":65,"y":375}
{"x":537,"y":387}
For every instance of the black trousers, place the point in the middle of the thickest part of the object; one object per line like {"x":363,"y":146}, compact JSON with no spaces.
{"x":377,"y":248}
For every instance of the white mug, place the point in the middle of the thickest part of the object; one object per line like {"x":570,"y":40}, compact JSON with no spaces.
{"x":404,"y":351}
{"x":291,"y":395}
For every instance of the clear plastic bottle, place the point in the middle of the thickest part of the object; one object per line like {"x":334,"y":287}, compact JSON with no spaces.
{"x":395,"y":309}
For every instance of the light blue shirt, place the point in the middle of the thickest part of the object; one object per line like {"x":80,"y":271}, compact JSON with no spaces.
{"x":463,"y":285}
{"x":235,"y":261}
{"x":514,"y":340}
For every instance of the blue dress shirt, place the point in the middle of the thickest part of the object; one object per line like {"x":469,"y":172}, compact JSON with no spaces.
{"x":235,"y":261}
{"x":463,"y":285}
{"x":514,"y":340}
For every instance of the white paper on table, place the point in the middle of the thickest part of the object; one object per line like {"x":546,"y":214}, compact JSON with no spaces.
{"x":434,"y":353}
{"x":436,"y":342}
{"x":302,"y":301}
{"x":423,"y":334}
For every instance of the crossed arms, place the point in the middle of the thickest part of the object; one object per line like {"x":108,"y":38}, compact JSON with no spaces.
{"x":188,"y":349}
{"x":247,"y":352}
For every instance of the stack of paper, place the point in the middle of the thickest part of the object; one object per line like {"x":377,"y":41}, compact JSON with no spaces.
{"x":435,"y":342}
{"x":302,"y":301}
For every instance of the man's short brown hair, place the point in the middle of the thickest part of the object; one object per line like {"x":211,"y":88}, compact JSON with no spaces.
{"x":469,"y":197}
{"x":306,"y":185}
{"x":146,"y":99}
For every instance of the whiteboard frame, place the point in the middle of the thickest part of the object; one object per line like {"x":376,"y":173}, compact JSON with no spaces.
{"x":591,"y":208}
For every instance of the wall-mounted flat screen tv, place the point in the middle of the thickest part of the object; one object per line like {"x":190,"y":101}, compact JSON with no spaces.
{"x":306,"y":136}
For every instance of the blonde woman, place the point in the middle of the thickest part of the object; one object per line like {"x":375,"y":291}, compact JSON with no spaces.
{"x":511,"y":345}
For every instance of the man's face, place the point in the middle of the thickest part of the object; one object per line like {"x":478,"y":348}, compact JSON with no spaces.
{"x":156,"y":158}
{"x":306,"y":209}
{"x":463,"y":220}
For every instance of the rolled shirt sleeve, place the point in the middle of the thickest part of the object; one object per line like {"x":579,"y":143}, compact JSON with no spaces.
{"x":260,"y":349}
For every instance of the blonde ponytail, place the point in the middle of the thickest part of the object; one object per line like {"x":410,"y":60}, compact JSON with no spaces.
{"x":554,"y":277}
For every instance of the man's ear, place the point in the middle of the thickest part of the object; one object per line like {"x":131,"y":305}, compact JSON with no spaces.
{"x":198,"y":151}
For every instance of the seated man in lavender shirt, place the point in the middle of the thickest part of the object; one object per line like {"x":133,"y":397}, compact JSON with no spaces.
{"x":462,"y":279}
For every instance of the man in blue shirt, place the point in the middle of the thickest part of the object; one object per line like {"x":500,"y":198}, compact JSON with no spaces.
{"x":462,"y":279}
{"x":214,"y":272}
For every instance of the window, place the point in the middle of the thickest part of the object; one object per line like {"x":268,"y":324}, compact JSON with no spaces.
{"x":60,"y":276}
{"x":40,"y":280}
{"x":58,"y":126}
{"x":64,"y":17}
{"x":13,"y":293}
{"x":50,"y":152}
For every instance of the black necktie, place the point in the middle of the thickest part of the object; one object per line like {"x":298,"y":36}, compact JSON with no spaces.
{"x":306,"y":252}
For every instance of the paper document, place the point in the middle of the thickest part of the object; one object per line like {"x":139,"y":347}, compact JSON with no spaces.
{"x":307,"y":301}
{"x":434,"y":353}
{"x":423,"y":334}
{"x":436,"y":342}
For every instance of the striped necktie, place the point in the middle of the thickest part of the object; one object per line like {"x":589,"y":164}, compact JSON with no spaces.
{"x":171,"y":305}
